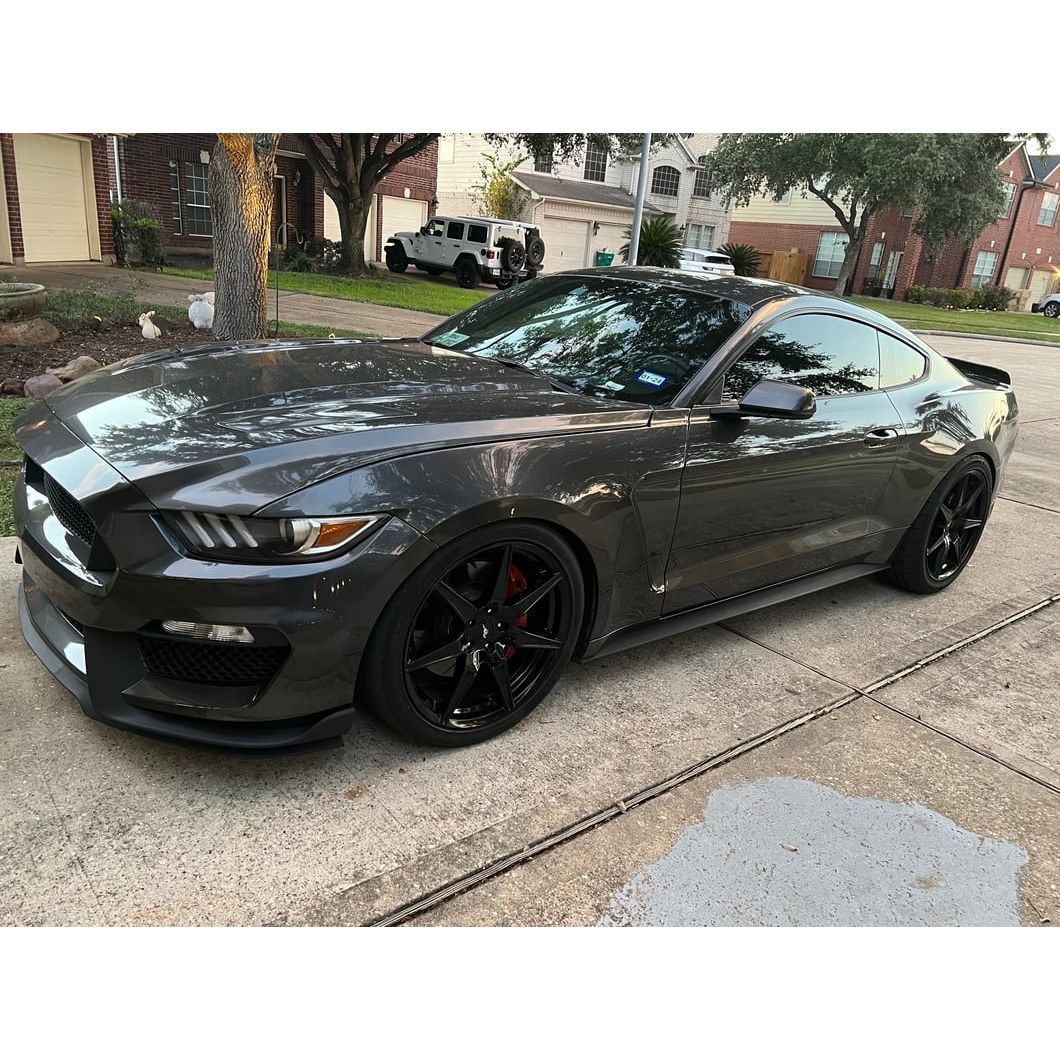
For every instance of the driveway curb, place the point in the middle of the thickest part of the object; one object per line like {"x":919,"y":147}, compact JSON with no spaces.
{"x":988,"y":338}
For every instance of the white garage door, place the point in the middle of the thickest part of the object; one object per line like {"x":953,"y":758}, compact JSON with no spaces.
{"x":402,"y":215}
{"x":609,"y":238}
{"x":51,"y":198}
{"x":565,"y":243}
{"x":334,"y":233}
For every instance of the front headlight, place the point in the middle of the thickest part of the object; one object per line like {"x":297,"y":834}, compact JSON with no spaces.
{"x":252,"y":540}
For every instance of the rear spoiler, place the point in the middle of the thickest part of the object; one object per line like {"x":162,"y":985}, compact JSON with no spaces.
{"x":983,"y":373}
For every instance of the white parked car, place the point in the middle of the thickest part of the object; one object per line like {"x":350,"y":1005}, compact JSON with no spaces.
{"x":693,"y":260}
{"x":474,"y":248}
{"x":1048,"y":306}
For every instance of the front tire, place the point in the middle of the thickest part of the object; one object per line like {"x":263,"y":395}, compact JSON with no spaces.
{"x":476,"y":637}
{"x":396,"y":258}
{"x":942,"y":538}
{"x":1052,"y":310}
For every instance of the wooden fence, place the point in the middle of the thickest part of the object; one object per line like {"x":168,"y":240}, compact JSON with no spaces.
{"x":788,"y":266}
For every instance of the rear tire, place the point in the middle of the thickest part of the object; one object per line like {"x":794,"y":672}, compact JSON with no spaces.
{"x":467,"y":274}
{"x":396,"y":258}
{"x":504,"y":282}
{"x":943,"y":537}
{"x":432,"y":649}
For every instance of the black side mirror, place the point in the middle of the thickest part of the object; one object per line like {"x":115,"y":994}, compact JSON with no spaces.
{"x":423,"y":230}
{"x":781,"y":401}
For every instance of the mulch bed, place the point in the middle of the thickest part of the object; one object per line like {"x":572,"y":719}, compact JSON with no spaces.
{"x":17,"y":364}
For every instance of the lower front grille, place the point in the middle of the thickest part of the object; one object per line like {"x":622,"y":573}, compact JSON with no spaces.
{"x":211,"y":664}
{"x":69,"y":512}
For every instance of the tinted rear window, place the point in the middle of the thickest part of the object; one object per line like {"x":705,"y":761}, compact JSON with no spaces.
{"x":899,"y":362}
{"x":476,"y":233}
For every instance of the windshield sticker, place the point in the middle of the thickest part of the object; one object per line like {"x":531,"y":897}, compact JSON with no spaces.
{"x":451,"y":338}
{"x":610,"y":384}
{"x":652,"y":378}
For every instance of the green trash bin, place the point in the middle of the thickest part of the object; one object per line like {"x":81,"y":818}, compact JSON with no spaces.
{"x":604,"y":258}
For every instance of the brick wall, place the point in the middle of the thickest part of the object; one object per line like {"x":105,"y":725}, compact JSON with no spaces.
{"x":786,"y":237}
{"x":146,"y":167}
{"x":14,"y":216}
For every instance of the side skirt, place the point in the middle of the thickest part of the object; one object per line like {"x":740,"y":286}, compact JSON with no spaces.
{"x":696,"y":618}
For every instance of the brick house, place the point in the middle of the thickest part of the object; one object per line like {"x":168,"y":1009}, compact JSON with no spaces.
{"x":170,"y":171}
{"x":1021,"y":250}
{"x":55,"y":204}
{"x":59,"y":190}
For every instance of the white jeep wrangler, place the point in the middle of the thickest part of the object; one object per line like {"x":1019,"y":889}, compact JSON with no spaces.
{"x":1048,"y":306}
{"x":474,"y":248}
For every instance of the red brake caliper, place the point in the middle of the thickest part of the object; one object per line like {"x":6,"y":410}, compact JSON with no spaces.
{"x":517,"y":585}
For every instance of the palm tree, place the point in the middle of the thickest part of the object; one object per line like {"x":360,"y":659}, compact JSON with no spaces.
{"x":745,"y":259}
{"x":660,"y":243}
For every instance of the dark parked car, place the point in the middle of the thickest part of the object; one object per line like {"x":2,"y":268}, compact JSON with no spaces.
{"x":231,"y":544}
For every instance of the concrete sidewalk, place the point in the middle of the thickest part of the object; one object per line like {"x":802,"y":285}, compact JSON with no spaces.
{"x":296,"y":308}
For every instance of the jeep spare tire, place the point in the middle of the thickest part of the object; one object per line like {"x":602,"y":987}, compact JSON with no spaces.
{"x":513,"y":255}
{"x":535,"y":251}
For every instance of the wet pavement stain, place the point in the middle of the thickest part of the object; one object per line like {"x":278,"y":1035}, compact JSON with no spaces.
{"x":783,"y":851}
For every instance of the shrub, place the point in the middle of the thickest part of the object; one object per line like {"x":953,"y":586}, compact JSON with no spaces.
{"x":745,"y":259}
{"x":660,"y":243}
{"x":88,"y":310}
{"x":990,"y":298}
{"x":137,"y":234}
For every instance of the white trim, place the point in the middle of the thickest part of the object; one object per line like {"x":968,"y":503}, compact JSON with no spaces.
{"x":289,"y":154}
{"x":7,"y":257}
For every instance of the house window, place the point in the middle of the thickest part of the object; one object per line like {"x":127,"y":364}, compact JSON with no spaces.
{"x":197,"y":198}
{"x":174,"y":196}
{"x":543,"y":160}
{"x":665,"y":181}
{"x":875,"y":260}
{"x":908,"y":211}
{"x":1009,"y":191}
{"x":595,"y":163}
{"x":1047,"y":214}
{"x":701,"y":237}
{"x":831,"y":249}
{"x":701,"y":188}
{"x":983,"y":273}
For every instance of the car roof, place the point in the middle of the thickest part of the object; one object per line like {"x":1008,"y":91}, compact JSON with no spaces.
{"x":489,"y":220}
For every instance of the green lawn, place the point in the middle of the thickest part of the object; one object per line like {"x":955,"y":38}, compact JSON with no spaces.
{"x":10,"y":454}
{"x":382,"y":288}
{"x":970,"y":321}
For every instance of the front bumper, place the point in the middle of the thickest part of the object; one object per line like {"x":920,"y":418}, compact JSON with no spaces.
{"x":98,"y":631}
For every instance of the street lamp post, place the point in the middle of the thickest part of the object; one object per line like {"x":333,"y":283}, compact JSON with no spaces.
{"x":642,"y":190}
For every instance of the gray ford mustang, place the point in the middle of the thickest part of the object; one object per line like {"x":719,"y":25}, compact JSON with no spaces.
{"x":234,"y":543}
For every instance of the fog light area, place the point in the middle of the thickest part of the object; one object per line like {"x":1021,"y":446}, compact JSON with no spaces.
{"x":210,"y":631}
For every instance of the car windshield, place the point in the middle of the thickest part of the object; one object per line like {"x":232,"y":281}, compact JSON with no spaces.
{"x":628,"y":340}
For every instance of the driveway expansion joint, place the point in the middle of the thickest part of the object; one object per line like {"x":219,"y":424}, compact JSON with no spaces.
{"x":410,"y":910}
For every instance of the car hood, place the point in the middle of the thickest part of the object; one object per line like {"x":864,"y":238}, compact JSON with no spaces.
{"x":235,"y":427}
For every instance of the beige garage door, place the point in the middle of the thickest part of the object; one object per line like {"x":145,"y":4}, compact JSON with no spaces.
{"x":402,"y":215}
{"x":334,"y":233}
{"x":565,"y":243}
{"x":1042,"y":281}
{"x":609,"y":238}
{"x":51,"y":198}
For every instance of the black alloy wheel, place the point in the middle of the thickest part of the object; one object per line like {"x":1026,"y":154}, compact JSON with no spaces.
{"x":957,"y":526}
{"x":942,"y":538}
{"x":476,"y":639}
{"x":504,"y":282}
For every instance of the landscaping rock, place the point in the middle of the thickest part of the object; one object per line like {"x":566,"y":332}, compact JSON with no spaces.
{"x":42,"y":385}
{"x":78,"y":367}
{"x":35,"y":332}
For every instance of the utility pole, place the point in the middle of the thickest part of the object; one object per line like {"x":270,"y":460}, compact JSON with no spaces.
{"x":642,"y":190}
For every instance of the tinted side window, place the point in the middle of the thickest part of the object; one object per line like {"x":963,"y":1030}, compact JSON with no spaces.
{"x":456,"y":229}
{"x":899,"y":362}
{"x":476,"y":233}
{"x":828,"y":354}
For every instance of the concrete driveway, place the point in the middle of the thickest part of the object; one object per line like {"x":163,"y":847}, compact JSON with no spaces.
{"x":858,"y":756}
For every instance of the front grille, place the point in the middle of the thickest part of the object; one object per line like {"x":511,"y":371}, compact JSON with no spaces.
{"x":211,"y":664}
{"x":69,"y":512}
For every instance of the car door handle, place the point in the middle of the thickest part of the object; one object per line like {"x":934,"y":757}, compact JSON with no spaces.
{"x":880,"y":437}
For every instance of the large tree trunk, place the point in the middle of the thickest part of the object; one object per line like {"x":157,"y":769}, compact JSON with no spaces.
{"x":353,"y":220}
{"x":241,"y":197}
{"x":856,"y":239}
